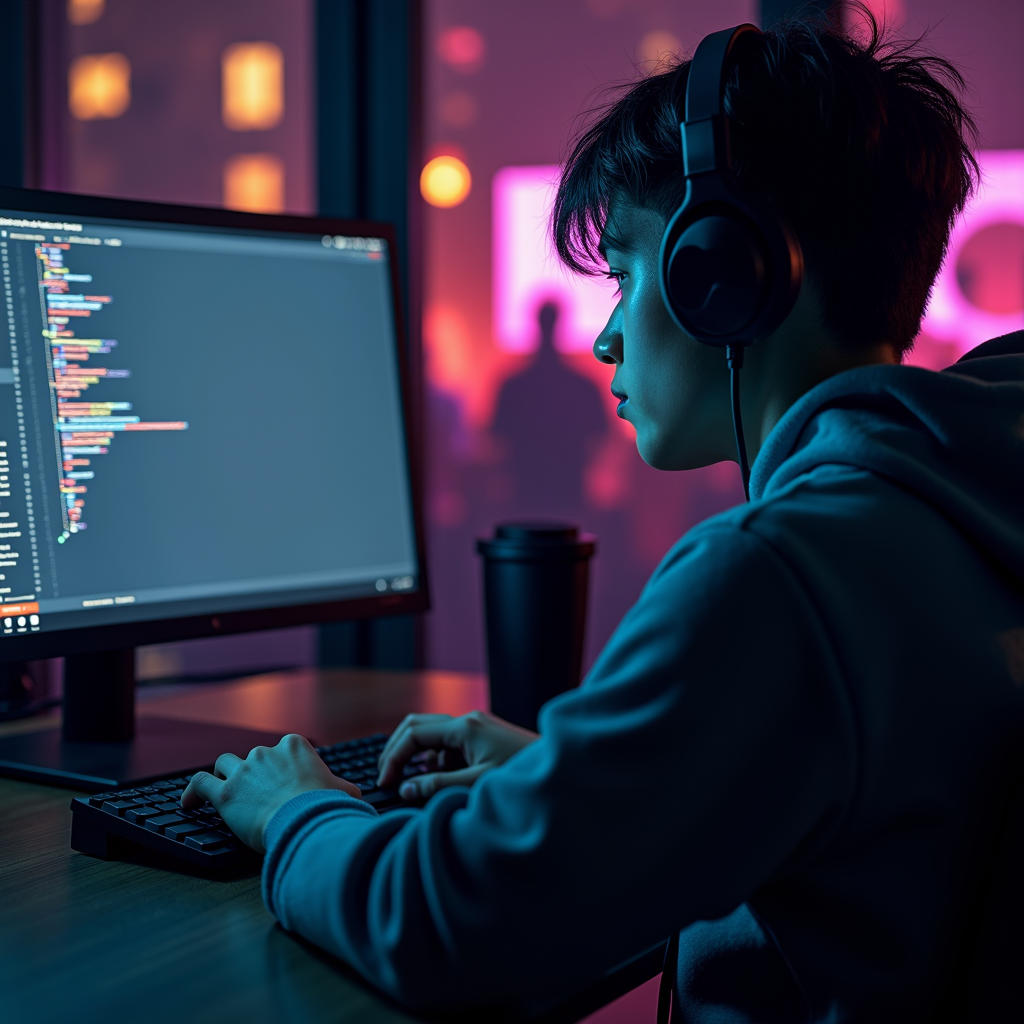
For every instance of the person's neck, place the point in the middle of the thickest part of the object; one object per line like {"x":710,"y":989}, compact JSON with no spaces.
{"x":783,"y":368}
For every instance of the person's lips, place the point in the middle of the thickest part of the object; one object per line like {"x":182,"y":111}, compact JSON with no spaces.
{"x":622,"y":399}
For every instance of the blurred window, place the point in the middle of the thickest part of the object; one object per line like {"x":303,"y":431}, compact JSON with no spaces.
{"x":197,"y":101}
{"x":252,"y":86}
{"x":99,"y":86}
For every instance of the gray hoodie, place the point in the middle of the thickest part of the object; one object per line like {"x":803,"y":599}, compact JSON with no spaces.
{"x":798,"y":747}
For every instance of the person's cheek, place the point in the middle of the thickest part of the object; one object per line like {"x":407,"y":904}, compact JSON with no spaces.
{"x":652,"y":359}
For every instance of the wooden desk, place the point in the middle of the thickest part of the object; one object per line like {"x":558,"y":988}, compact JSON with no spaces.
{"x":88,"y":940}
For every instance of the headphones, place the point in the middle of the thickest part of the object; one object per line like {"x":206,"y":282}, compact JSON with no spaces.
{"x":730,"y":269}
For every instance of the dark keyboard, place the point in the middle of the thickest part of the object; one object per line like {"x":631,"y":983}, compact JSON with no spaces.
{"x":151,"y":816}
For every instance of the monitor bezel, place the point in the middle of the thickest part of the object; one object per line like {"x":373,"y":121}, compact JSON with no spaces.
{"x":88,"y":639}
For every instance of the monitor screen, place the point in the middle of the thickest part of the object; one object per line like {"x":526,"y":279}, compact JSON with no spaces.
{"x":198,"y":417}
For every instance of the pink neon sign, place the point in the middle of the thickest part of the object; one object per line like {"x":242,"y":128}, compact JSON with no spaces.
{"x":526,"y":271}
{"x":951,"y":315}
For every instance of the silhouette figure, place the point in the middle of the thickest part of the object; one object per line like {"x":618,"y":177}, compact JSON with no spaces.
{"x":549,"y":420}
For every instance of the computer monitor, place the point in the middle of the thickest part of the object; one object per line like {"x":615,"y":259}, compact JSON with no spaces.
{"x":204,"y":429}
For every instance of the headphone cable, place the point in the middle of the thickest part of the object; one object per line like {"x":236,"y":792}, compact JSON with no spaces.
{"x":734,"y":357}
{"x":667,"y":985}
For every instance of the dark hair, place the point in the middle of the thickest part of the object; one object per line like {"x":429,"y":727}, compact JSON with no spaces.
{"x":864,"y":146}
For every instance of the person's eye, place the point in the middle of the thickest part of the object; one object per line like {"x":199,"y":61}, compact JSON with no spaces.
{"x":618,"y":277}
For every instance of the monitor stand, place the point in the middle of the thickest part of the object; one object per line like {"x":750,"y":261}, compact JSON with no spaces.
{"x":102,"y":745}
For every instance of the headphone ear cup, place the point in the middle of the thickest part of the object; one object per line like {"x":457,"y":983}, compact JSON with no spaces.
{"x":716,"y":276}
{"x":730,"y":270}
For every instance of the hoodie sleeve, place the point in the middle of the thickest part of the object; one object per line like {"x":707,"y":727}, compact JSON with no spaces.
{"x":710,"y":749}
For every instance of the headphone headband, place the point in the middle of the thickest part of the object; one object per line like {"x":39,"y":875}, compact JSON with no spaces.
{"x":709,"y":69}
{"x":705,"y":128}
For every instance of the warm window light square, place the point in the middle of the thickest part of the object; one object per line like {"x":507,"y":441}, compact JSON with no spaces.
{"x":99,"y":86}
{"x":252,"y":86}
{"x":254,"y":182}
{"x":85,"y":12}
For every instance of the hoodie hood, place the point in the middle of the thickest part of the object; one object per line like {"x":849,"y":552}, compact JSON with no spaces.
{"x":955,"y":439}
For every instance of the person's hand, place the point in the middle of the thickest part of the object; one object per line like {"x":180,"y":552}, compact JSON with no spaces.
{"x":475,"y":743}
{"x":248,"y":793}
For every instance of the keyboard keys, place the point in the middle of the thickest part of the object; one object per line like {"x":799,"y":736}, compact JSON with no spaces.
{"x":119,"y":807}
{"x":140,"y":814}
{"x":179,"y":832}
{"x":381,"y":796}
{"x":159,"y":823}
{"x":356,"y":761}
{"x":207,"y":840}
{"x":156,"y":807}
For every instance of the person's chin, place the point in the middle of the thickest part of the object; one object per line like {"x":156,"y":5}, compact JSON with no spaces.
{"x":659,"y":455}
{"x":651,"y":451}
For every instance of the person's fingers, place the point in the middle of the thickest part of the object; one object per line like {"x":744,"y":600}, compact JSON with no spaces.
{"x":203,"y":786}
{"x":226,"y":765}
{"x":404,"y":726}
{"x":422,"y":787}
{"x":396,"y":736}
{"x":296,"y":745}
{"x":414,"y":739}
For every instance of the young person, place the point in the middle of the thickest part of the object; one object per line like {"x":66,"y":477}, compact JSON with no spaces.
{"x":796,"y":752}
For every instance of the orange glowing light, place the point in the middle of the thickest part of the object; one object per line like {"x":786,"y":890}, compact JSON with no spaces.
{"x":254,"y":182}
{"x":252,"y":86}
{"x":85,"y":12}
{"x":445,"y":181}
{"x":657,"y":50}
{"x":99,"y":86}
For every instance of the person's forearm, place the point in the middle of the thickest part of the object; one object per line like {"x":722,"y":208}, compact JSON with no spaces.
{"x":323,"y":850}
{"x":515,"y":889}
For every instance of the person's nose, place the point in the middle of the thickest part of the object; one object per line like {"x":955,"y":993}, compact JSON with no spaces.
{"x":608,"y":344}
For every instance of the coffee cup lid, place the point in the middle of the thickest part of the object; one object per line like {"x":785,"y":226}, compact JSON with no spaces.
{"x":538,"y":530}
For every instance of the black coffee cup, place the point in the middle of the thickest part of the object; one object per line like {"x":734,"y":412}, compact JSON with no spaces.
{"x":535,"y":608}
